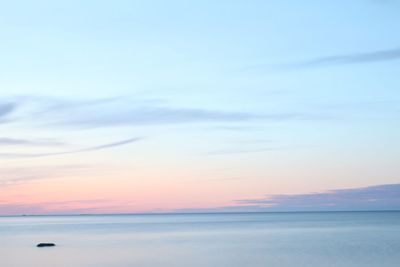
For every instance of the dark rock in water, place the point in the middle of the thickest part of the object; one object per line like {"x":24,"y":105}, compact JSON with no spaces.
{"x":40,"y":245}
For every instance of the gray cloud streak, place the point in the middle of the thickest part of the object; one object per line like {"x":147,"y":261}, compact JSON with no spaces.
{"x":154,"y":116}
{"x":380,"y":197}
{"x":369,"y":57}
{"x":366,"y":198}
{"x":24,"y":142}
{"x":6,"y":108}
{"x":343,"y":59}
{"x":117,"y":111}
{"x":243,"y":151}
{"x":88,"y":149}
{"x":20,"y":175}
{"x":163,"y":116}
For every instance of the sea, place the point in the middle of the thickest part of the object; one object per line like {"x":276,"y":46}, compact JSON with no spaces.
{"x":320,"y":239}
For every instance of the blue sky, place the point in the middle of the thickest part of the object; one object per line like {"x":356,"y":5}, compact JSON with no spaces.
{"x":213,"y":100}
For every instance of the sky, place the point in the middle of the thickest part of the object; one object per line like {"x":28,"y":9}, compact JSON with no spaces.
{"x":171,"y":106}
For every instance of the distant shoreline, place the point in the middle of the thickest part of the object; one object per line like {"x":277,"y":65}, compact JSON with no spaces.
{"x":193,"y":213}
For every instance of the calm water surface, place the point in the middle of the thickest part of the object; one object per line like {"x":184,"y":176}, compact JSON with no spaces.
{"x":337,"y":239}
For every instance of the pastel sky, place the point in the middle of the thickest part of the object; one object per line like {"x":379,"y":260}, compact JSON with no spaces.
{"x":162,"y":106}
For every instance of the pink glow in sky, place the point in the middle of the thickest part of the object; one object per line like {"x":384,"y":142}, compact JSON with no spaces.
{"x":209,"y":106}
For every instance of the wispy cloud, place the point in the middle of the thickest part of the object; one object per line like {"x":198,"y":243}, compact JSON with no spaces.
{"x":341,"y":59}
{"x":87,"y":149}
{"x":369,"y":57}
{"x":144,"y":116}
{"x":53,"y":113}
{"x":19,"y":175}
{"x":125,"y":112}
{"x":117,"y":111}
{"x":24,"y":142}
{"x":255,"y":150}
{"x":6,"y":108}
{"x":235,"y":128}
{"x":365,"y":198}
{"x":153,"y":116}
{"x":381,"y":197}
{"x":119,"y":143}
{"x":243,"y":151}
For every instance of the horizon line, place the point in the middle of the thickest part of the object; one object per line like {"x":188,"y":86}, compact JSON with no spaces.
{"x":194,"y":213}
